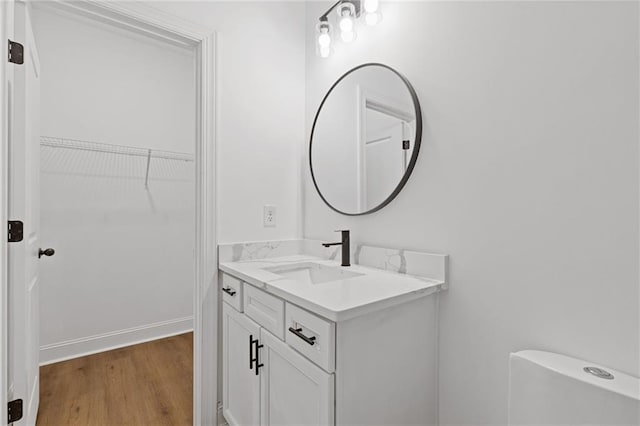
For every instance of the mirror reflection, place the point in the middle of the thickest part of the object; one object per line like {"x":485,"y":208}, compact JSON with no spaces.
{"x":365,"y":139}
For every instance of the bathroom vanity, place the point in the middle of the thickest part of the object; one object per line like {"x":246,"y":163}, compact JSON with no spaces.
{"x":308,"y":342}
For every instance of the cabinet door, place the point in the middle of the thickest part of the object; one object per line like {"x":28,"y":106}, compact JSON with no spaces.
{"x":294,"y":391}
{"x":240,"y":384}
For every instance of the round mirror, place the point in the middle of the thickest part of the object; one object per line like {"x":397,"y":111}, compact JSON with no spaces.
{"x":365,"y":139}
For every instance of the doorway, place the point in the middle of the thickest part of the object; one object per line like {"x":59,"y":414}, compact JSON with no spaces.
{"x":117,"y":193}
{"x":142,"y":21}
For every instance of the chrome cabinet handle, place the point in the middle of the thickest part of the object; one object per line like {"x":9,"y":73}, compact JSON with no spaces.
{"x":229,"y":291}
{"x":298,"y":332}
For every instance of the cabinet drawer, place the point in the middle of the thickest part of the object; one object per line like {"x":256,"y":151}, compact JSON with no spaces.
{"x":231,"y":291}
{"x":312,"y":336}
{"x":265,"y":309}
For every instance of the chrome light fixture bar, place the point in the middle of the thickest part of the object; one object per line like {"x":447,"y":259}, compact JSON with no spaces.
{"x":348,"y":12}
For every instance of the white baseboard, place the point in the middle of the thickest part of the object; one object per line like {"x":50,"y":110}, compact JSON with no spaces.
{"x":70,"y":349}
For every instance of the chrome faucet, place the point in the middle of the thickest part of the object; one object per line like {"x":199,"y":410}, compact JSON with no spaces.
{"x":346,"y":249}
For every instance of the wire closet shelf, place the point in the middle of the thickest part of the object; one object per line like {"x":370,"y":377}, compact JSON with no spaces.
{"x":145,"y":155}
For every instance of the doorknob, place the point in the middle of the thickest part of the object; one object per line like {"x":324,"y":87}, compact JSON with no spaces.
{"x":46,"y":252}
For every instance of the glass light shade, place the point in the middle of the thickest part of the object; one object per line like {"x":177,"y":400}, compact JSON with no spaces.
{"x":371,"y":6}
{"x":346,"y":14}
{"x":346,"y":24}
{"x":372,"y":18}
{"x":324,"y":40}
{"x":348,"y":36}
{"x":324,"y":51}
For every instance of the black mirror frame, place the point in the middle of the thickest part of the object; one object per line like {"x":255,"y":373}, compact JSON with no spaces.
{"x":416,"y":148}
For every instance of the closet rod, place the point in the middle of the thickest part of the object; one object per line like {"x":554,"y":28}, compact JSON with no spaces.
{"x":77,"y":144}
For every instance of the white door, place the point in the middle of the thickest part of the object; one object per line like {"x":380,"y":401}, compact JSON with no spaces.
{"x":23,"y":197}
{"x":240,"y":383}
{"x":384,"y":160}
{"x":294,"y":391}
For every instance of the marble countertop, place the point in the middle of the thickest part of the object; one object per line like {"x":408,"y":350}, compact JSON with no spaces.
{"x":338,"y":300}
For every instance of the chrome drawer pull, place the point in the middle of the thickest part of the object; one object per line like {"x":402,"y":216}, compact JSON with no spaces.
{"x":229,"y":291}
{"x":298,"y":332}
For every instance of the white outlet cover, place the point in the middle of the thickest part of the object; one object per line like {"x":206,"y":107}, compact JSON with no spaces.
{"x":269,"y":216}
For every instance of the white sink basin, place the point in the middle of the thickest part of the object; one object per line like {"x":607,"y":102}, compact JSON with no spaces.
{"x":312,"y":273}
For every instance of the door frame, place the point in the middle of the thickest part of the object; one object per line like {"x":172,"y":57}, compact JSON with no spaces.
{"x":168,"y":28}
{"x":6,"y":32}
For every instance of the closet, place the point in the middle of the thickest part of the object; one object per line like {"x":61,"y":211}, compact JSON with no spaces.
{"x":117,"y":186}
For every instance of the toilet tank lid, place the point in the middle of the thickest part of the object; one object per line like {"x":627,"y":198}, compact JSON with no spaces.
{"x":623,"y":384}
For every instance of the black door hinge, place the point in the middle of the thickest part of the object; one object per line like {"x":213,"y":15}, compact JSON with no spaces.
{"x":16,"y":231}
{"x":16,"y":53}
{"x":405,"y":144}
{"x":14,"y":410}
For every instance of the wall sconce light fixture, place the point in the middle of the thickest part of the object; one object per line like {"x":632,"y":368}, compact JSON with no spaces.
{"x":348,"y":12}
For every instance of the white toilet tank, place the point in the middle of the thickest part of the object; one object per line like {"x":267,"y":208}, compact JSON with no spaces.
{"x":552,"y":389}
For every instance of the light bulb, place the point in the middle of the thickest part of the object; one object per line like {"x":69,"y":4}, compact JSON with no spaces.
{"x":324,"y":40}
{"x":346,"y":14}
{"x":348,"y":36}
{"x":325,"y":51}
{"x":346,"y":24}
{"x":372,"y":19}
{"x":371,"y":6}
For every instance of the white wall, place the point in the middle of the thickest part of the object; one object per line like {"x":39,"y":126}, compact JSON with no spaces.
{"x":112,"y":86}
{"x":527,"y":177}
{"x":123,"y":268}
{"x":260,"y":90}
{"x":260,"y":95}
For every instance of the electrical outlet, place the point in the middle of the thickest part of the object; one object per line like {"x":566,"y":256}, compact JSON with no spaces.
{"x":269,"y":218}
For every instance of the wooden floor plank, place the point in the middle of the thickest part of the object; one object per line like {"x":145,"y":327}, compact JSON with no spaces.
{"x":146,"y":384}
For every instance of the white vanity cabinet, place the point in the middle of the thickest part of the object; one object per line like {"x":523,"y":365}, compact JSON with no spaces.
{"x":265,"y":382}
{"x":293,"y":391}
{"x":241,"y":385}
{"x":288,"y":366}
